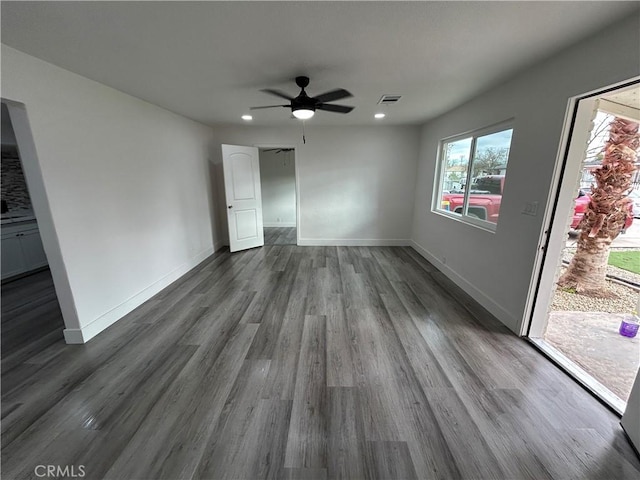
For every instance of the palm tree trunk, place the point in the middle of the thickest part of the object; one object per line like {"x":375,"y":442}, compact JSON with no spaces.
{"x":607,"y":211}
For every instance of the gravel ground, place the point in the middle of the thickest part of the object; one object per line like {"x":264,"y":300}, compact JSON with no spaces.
{"x":625,"y":303}
{"x":574,"y":302}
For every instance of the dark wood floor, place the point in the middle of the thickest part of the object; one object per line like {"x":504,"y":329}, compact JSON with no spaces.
{"x":31,"y":318}
{"x":307,"y":362}
{"x":280,"y":236}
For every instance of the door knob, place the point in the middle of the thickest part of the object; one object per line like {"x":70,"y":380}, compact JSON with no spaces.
{"x":230,"y":206}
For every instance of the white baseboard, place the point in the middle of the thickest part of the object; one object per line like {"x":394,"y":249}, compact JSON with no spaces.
{"x":87,"y":332}
{"x":353,"y":242}
{"x":73,"y":336}
{"x":483,"y":299}
{"x":278,"y":224}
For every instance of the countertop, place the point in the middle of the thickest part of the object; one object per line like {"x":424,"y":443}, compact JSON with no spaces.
{"x":17,"y":217}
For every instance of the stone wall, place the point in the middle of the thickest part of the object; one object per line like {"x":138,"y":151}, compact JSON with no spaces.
{"x":14,"y":186}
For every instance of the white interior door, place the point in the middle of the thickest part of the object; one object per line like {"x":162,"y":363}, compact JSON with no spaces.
{"x":244,"y":198}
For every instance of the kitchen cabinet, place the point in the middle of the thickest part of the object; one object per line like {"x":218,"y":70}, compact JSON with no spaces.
{"x":22,"y":249}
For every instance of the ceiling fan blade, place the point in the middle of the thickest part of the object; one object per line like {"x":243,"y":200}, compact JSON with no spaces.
{"x":277,"y":150}
{"x":334,"y":108}
{"x":333,"y":95}
{"x":277,"y":93}
{"x":268,"y":106}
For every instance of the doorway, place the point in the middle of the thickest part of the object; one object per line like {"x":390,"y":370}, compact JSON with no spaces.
{"x":580,"y":331}
{"x":279,"y":198}
{"x":31,"y":315}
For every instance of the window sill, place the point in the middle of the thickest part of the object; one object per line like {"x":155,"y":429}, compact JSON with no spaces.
{"x":474,"y":222}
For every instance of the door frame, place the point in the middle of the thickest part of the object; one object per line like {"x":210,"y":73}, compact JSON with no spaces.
{"x":34,"y":178}
{"x":581,"y":111}
{"x":297,"y":175}
{"x":576,"y":130}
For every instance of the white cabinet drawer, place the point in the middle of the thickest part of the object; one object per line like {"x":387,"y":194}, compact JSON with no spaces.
{"x":22,"y":249}
{"x":13,"y":261}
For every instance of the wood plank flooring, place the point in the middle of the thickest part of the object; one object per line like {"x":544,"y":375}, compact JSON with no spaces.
{"x":31,"y":318}
{"x":288,"y":362}
{"x":280,"y":236}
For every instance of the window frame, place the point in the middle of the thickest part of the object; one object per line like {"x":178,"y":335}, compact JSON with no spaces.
{"x":436,"y":204}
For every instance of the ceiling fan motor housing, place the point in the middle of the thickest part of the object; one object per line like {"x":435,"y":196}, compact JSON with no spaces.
{"x":303,"y":102}
{"x":302,"y":82}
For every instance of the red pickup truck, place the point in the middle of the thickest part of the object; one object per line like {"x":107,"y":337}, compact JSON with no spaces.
{"x":484,"y":198}
{"x":486,"y":195}
{"x":581,"y":204}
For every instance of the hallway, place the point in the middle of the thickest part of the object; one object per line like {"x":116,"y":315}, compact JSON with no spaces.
{"x":280,"y":235}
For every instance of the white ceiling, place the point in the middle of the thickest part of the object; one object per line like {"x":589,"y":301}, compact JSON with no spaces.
{"x":629,"y":97}
{"x":209,"y":60}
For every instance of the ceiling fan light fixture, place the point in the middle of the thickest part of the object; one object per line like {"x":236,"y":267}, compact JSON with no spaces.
{"x":303,"y":113}
{"x":303,"y":106}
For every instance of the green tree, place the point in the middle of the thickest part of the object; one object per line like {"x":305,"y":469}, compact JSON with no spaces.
{"x":487,"y":161}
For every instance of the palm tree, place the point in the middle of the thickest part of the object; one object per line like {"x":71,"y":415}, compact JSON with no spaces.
{"x":607,"y":211}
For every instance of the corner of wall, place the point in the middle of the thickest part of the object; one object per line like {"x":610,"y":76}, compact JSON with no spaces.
{"x":88,"y":331}
{"x":74,"y":336}
{"x":488,"y":303}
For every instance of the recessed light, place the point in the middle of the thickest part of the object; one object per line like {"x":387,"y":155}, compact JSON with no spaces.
{"x":247,"y":117}
{"x":379,"y":115}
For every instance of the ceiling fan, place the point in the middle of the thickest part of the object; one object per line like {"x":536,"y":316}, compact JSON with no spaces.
{"x":303,"y":106}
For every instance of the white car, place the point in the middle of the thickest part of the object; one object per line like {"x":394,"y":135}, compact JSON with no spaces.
{"x":635,"y":196}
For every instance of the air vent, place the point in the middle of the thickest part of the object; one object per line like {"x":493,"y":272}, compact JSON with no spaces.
{"x":389,"y":99}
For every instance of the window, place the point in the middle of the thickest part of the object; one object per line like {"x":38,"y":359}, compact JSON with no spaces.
{"x":471,"y":172}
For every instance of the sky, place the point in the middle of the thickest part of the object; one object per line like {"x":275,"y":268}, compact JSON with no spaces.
{"x":498,"y":140}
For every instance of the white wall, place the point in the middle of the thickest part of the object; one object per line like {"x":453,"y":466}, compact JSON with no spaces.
{"x":8,"y":137}
{"x":496,"y":268}
{"x":129,"y":203}
{"x":278,"y":182}
{"x":356,"y":184}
